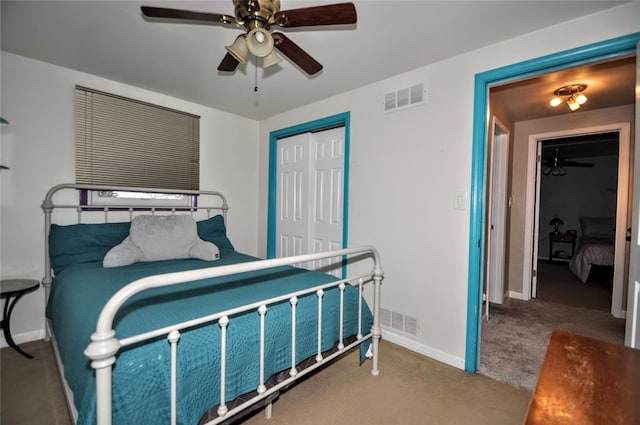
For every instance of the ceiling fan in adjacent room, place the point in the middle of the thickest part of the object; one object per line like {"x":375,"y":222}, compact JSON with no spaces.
{"x":257,"y":17}
{"x":555,"y":165}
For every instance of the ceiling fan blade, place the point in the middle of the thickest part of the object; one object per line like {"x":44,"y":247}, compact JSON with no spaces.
{"x":228,"y":64}
{"x":296,"y":54}
{"x":162,"y":12}
{"x":331,"y":14}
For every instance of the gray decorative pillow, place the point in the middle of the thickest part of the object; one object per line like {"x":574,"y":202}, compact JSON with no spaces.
{"x":157,"y":238}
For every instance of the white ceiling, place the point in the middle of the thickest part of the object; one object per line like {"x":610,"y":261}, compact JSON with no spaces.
{"x":113,"y":40}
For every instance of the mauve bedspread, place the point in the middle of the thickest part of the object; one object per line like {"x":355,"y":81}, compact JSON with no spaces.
{"x":592,"y":250}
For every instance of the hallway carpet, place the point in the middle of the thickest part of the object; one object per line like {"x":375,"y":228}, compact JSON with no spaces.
{"x":514,"y":339}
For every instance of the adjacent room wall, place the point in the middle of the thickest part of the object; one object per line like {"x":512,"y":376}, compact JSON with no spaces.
{"x":38,"y":145}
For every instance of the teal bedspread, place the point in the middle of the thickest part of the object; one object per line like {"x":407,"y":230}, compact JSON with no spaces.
{"x":141,"y":373}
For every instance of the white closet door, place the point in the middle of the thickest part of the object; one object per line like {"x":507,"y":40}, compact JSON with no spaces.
{"x":292,"y":224}
{"x":310,"y":195}
{"x":327,"y":203}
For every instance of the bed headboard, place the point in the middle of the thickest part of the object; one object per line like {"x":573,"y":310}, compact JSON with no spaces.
{"x":77,"y":203}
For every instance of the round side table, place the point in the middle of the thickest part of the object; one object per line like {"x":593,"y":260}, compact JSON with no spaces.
{"x":14,"y":288}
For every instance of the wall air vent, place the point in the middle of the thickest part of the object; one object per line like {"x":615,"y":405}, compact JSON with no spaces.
{"x":398,"y":321}
{"x":405,"y":98}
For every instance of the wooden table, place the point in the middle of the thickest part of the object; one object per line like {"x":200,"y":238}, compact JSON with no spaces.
{"x":585,"y":381}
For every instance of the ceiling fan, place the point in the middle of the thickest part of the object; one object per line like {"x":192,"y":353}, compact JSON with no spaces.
{"x":555,"y":166}
{"x":257,"y":17}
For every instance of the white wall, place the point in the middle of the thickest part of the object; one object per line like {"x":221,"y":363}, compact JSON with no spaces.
{"x":38,"y":145}
{"x":407,"y":165}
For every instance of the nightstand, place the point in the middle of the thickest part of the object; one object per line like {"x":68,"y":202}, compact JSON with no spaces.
{"x":14,"y":288}
{"x":561,"y":238}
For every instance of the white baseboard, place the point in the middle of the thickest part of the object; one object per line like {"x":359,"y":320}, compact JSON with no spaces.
{"x":516,"y":295}
{"x":425,"y":350}
{"x":24,"y":337}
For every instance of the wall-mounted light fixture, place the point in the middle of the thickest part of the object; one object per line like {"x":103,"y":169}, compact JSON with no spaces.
{"x":571,"y":94}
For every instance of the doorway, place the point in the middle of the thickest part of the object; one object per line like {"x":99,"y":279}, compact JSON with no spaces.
{"x":608,"y":50}
{"x":515,"y":337}
{"x":577,"y":185}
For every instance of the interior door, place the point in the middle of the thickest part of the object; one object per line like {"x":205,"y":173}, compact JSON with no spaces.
{"x":536,"y":222}
{"x":310,"y":195}
{"x":632,"y":333}
{"x":497,"y":213}
{"x":327,"y":204}
{"x":292,"y":223}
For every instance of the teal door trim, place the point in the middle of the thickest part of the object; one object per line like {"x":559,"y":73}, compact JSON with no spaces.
{"x":339,"y":120}
{"x":597,"y":52}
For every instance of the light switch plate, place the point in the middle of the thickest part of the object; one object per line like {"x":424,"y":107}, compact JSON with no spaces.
{"x":461,"y":200}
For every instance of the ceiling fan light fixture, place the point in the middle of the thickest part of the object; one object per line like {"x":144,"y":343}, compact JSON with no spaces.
{"x":271,"y":59}
{"x":581,"y":99}
{"x":260,"y":42}
{"x":239,"y":49}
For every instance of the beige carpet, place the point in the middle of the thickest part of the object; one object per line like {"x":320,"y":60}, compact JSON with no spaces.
{"x":411,"y":389}
{"x":30,"y":389}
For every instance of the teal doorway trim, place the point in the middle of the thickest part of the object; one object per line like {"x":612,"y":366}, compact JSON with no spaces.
{"x":603,"y":51}
{"x":339,"y":120}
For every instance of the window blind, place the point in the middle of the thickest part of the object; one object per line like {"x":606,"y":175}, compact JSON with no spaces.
{"x":125,"y":142}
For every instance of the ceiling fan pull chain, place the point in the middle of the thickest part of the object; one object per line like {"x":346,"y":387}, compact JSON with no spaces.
{"x":255,"y":88}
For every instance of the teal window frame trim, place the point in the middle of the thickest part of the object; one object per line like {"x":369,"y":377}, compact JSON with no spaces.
{"x":612,"y":49}
{"x":338,"y":120}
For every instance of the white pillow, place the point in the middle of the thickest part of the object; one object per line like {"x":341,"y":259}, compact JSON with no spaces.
{"x":157,"y":238}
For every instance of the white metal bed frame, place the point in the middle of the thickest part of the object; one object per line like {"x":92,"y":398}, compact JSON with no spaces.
{"x":105,"y":345}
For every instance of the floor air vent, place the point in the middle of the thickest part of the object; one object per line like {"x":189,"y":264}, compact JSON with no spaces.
{"x":398,"y":321}
{"x":404,"y":98}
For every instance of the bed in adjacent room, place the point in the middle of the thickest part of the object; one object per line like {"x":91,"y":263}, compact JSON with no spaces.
{"x":158,"y":319}
{"x":595,"y":246}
